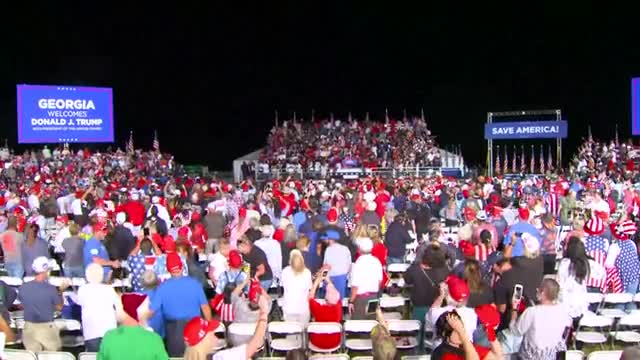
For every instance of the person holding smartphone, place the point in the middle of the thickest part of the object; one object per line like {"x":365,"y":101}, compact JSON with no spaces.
{"x":542,"y":339}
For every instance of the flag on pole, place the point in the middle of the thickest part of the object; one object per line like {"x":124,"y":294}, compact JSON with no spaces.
{"x":313,"y":115}
{"x":404,"y":114}
{"x":422,"y":114}
{"x":498,"y":160}
{"x":156,"y":142}
{"x":549,"y":159}
{"x":130,"y":143}
{"x":366,"y":117}
{"x":532,"y":165}
{"x":295,"y":116}
{"x":541,"y":160}
{"x":350,"y":119}
{"x":617,"y":140}
{"x":505,"y":166}
{"x":386,"y":115}
{"x":589,"y":136}
{"x":331,"y":117}
{"x":514,"y":161}
{"x":276,"y":114}
{"x":523,"y":166}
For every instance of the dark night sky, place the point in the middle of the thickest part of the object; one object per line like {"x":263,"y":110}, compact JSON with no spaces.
{"x":209,"y":78}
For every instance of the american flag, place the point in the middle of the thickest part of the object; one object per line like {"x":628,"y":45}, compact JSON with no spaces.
{"x":628,"y":264}
{"x":523,"y":166}
{"x":481,"y":252}
{"x":506,"y":161}
{"x":541,"y":160}
{"x":553,"y":204}
{"x":514,"y":161}
{"x":130,"y":148}
{"x":533,"y":161}
{"x":596,"y":247}
{"x":156,"y":142}
{"x":549,"y":160}
{"x":498,"y":161}
{"x":348,"y":222}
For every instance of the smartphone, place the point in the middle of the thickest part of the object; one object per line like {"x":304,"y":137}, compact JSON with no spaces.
{"x":517,"y":292}
{"x":372,"y":306}
{"x":519,"y":234}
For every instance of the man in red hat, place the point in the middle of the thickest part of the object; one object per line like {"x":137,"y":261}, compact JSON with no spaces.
{"x":178,"y":310}
{"x":456,"y":292}
{"x":135,"y":211}
{"x":523,"y":226}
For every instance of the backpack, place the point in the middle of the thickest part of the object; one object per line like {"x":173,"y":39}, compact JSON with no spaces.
{"x":222,"y":304}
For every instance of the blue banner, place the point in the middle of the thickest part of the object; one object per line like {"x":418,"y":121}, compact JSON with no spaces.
{"x":635,"y":106}
{"x":526,"y":130}
{"x":60,"y":114}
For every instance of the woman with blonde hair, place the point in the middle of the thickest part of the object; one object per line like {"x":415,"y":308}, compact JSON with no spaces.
{"x":296,"y":282}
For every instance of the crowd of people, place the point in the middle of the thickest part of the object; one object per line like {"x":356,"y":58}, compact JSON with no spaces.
{"x":199,"y":252}
{"x":322,"y":145}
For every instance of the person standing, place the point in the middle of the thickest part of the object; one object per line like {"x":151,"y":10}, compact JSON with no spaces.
{"x":396,"y":238}
{"x":95,"y":252}
{"x":296,"y":282}
{"x":179,"y":299}
{"x":257,"y":259}
{"x":337,"y":260}
{"x":11,"y":241}
{"x":40,"y":300}
{"x":366,"y":276}
{"x":73,"y":264}
{"x":33,"y":247}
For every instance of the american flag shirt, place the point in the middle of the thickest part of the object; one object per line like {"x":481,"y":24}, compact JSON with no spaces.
{"x":628,"y":264}
{"x":348,"y":222}
{"x":596,"y":247}
{"x":552,"y":203}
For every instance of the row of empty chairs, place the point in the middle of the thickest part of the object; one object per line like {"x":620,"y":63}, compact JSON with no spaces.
{"x":57,"y":281}
{"x":13,"y":354}
{"x":285,"y":336}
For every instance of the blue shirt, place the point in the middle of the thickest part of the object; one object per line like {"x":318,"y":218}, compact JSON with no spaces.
{"x":299,"y":218}
{"x":94,"y":247}
{"x":521,"y":227}
{"x":179,"y":298}
{"x":155,"y":322}
{"x":235,"y":277}
{"x":39,"y":299}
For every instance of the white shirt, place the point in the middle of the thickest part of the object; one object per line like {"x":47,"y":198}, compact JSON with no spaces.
{"x":296,"y":291}
{"x":219,"y":263}
{"x":76,"y":207}
{"x":538,"y":331}
{"x":273,"y":251}
{"x":99,"y":304}
{"x":468,"y":315}
{"x":339,"y":257}
{"x":238,"y":352}
{"x":60,"y":236}
{"x":162,"y":213}
{"x":33,"y":202}
{"x":366,"y":274}
{"x":572,"y":294}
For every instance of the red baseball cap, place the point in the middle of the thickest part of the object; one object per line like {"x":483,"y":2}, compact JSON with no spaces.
{"x":523,"y":213}
{"x":197,"y":328}
{"x":458,"y":288}
{"x":254,"y":291}
{"x":174,"y":262}
{"x":489,"y":317}
{"x":235,"y":260}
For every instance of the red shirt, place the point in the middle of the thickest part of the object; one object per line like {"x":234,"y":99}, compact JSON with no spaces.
{"x":325,"y":313}
{"x":135,"y":211}
{"x":199,"y":235}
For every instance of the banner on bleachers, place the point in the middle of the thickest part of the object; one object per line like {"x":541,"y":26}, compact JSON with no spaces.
{"x":64,"y":114}
{"x":526,"y":130}
{"x":635,"y":106}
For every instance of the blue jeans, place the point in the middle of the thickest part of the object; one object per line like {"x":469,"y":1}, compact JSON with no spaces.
{"x":632,"y":289}
{"x":73,"y":271}
{"x":340,"y":282}
{"x":14,"y":269}
{"x":394,"y":260}
{"x":266,"y":284}
{"x":92,"y":345}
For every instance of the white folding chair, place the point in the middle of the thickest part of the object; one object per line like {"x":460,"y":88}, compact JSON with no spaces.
{"x":416,"y":357}
{"x":392,"y":302}
{"x":574,"y":355}
{"x":55,"y":355}
{"x":221,"y":343}
{"x":11,"y":281}
{"x":359,"y":327}
{"x":15,"y":354}
{"x":28,"y":278}
{"x":67,"y":324}
{"x":293,"y":336}
{"x":324,"y":328}
{"x":87,"y":356}
{"x":605,"y":355}
{"x":362,"y":358}
{"x":613,"y":300}
{"x":77,"y":281}
{"x":330,"y":357}
{"x":403,"y":327}
{"x":397,"y":268}
{"x":593,"y":321}
{"x":271,"y":358}
{"x":594,"y":298}
{"x":243,"y":329}
{"x":631,"y":323}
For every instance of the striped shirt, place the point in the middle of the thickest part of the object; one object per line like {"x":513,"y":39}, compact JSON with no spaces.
{"x":596,"y":247}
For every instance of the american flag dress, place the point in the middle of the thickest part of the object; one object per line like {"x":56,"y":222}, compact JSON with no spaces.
{"x":628,"y":264}
{"x":596,"y":247}
{"x":552,"y":203}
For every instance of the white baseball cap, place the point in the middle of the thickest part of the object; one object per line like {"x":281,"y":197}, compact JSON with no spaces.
{"x":41,"y":264}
